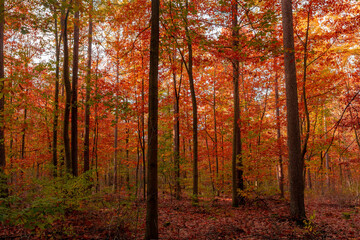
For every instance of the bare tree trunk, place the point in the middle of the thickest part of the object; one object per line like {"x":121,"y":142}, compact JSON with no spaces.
{"x":56,"y":97}
{"x":215,"y":132}
{"x":115,"y":186}
{"x":66,"y":77}
{"x":143,"y":136}
{"x":209,"y":161}
{"x":23,"y":134}
{"x":237,"y":172}
{"x":296,"y":162}
{"x":88,"y":92}
{"x":278,"y":126}
{"x":152,"y":176}
{"x":177,"y":130}
{"x":3,"y":179}
{"x":74,"y":102}
{"x":189,"y":68}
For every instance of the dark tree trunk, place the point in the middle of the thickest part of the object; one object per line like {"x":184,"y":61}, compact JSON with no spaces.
{"x":194,"y":109}
{"x":143,"y":136}
{"x":237,"y":172}
{"x":278,"y":128}
{"x":3,"y":179}
{"x":23,"y":134}
{"x":74,"y":103}
{"x":215,"y":132}
{"x":88,"y":92}
{"x":152,"y":176}
{"x":116,"y":126}
{"x":56,"y":98}
{"x":177,"y":133}
{"x":296,"y":162}
{"x":66,"y":77}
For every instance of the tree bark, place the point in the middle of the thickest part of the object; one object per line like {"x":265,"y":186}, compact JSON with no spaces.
{"x":56,"y":98}
{"x":152,"y":176}
{"x":74,"y":102}
{"x":194,"y":108}
{"x":23,"y":135}
{"x":237,"y":172}
{"x":88,"y":92}
{"x":278,"y":131}
{"x":66,"y":79}
{"x":115,"y":185}
{"x":3,"y":179}
{"x":296,"y":162}
{"x":177,"y":132}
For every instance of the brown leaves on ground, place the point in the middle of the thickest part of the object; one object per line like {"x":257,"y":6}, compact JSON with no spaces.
{"x":266,"y":218}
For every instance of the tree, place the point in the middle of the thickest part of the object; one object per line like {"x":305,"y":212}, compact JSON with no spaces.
{"x":152,"y":176}
{"x":88,"y":92}
{"x":66,"y":78}
{"x":3,"y":185}
{"x":296,"y":163}
{"x":56,"y":94}
{"x":74,"y":92}
{"x":237,"y":180}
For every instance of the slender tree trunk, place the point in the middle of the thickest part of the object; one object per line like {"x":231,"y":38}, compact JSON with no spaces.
{"x":56,"y":97}
{"x":237,"y":172}
{"x":296,"y":162}
{"x":88,"y":92}
{"x":215,"y":133}
{"x":115,"y":186}
{"x":278,"y":131}
{"x":3,"y":179}
{"x":96,"y":129}
{"x":194,"y":108}
{"x":152,"y":176}
{"x":74,"y":102}
{"x":209,"y":161}
{"x":66,"y":78}
{"x":127,"y":156}
{"x":143,"y":136}
{"x":177,"y":135}
{"x":23,"y":135}
{"x":309,"y":178}
{"x":327,"y":159}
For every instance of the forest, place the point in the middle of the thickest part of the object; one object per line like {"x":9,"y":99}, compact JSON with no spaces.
{"x":179,"y":119}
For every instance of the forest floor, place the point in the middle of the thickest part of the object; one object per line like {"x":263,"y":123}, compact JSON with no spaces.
{"x":260,"y":218}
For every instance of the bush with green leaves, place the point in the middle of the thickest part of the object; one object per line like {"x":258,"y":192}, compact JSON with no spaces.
{"x":43,"y":202}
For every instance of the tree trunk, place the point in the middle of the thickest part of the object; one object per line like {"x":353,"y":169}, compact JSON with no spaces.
{"x":88,"y":92}
{"x":143,"y":137}
{"x":56,"y":97}
{"x":115,"y":186}
{"x":215,"y":132}
{"x":237,"y":172}
{"x":152,"y":176}
{"x":3,"y":179}
{"x":177,"y":133}
{"x":74,"y":103}
{"x":296,"y":162}
{"x":66,"y":78}
{"x":194,"y":108}
{"x":23,"y":135}
{"x":278,"y":128}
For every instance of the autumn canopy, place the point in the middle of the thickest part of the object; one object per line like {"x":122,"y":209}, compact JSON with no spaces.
{"x":198,"y":100}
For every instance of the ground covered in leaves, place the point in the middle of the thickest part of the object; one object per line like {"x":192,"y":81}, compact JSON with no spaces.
{"x":260,"y":218}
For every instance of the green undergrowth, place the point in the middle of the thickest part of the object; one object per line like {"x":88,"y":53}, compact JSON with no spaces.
{"x":39,"y":203}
